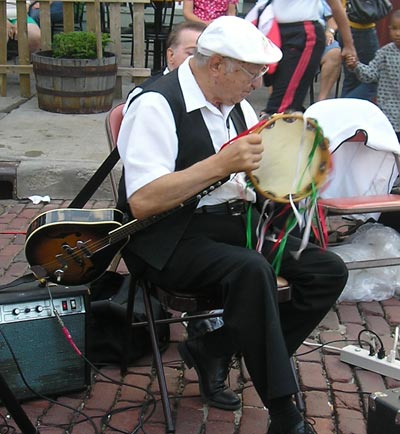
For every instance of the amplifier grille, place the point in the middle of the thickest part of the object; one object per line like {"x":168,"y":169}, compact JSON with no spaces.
{"x":47,"y":360}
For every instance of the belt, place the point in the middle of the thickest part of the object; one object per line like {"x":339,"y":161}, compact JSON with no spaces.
{"x":232,"y":207}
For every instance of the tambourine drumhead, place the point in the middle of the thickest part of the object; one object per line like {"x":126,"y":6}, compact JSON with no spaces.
{"x":292,"y":164}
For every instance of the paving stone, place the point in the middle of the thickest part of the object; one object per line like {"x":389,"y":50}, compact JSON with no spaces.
{"x":135,"y":392}
{"x":392,"y":314}
{"x":251,"y":398}
{"x":87,"y":421}
{"x":317,"y":404}
{"x":347,"y":396}
{"x":391,"y":383}
{"x":125,"y":416}
{"x":312,"y":376}
{"x":378,"y":324}
{"x":330,"y":322}
{"x":307,"y":353}
{"x":323,"y":426}
{"x":332,"y":338}
{"x":371,"y":308}
{"x":369,"y":382}
{"x":350,"y":422}
{"x":254,"y":421}
{"x":216,"y":414}
{"x":348,"y":313}
{"x":102,"y":400}
{"x":336,"y":370}
{"x":393,"y":301}
{"x":192,"y":390}
{"x":189,"y":420}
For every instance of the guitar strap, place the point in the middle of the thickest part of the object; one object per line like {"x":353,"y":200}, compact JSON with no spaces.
{"x":95,"y":180}
{"x":27,"y":278}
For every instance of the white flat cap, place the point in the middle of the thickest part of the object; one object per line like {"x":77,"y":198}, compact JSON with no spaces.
{"x":239,"y":39}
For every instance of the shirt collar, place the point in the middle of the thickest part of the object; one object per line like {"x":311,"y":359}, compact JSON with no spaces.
{"x":193,"y":95}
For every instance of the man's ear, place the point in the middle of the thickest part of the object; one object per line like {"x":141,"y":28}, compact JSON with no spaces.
{"x":215,"y":63}
{"x":170,"y":57}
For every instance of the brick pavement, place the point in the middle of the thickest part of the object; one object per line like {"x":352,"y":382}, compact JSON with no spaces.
{"x":335,"y":394}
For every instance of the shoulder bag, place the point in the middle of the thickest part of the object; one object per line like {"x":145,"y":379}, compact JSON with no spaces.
{"x":367,"y":11}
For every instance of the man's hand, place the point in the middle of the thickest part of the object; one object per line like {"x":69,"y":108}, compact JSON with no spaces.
{"x":242,"y":155}
{"x":11,"y":30}
{"x":348,"y":52}
{"x":351,"y":61}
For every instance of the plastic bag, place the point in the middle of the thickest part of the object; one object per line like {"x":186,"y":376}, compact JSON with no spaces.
{"x":371,"y":241}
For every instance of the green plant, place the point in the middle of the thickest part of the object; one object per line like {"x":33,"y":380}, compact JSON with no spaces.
{"x":78,"y":45}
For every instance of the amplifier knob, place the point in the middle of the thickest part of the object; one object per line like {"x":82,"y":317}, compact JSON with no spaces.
{"x":16,"y":311}
{"x":39,"y":308}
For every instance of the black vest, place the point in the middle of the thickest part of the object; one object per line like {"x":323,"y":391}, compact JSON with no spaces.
{"x":156,"y":243}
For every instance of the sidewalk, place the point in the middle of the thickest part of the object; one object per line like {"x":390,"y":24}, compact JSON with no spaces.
{"x":336,"y":395}
{"x":55,"y":154}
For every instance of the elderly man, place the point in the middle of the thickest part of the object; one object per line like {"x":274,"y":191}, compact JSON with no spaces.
{"x":170,"y":143}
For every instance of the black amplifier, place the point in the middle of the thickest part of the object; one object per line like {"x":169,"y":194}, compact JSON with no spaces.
{"x":384,"y":412}
{"x":32,"y":340}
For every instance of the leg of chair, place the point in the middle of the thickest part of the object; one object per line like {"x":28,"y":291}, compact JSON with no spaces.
{"x":146,"y":59}
{"x":298,"y":397}
{"x":15,"y":409}
{"x":128,"y":329}
{"x":170,"y":428}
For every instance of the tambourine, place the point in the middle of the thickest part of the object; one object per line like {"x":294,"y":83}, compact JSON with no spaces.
{"x":295,"y":160}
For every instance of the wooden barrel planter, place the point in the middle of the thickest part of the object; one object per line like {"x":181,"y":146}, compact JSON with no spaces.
{"x":74,"y":85}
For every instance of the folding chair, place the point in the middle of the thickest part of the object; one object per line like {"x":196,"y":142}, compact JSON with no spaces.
{"x":200,"y":301}
{"x":366,"y":163}
{"x":113,"y":124}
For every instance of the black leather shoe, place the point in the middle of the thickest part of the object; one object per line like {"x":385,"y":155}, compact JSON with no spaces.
{"x":301,"y":428}
{"x":212,"y":373}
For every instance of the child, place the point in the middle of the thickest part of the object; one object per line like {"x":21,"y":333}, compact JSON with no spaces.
{"x":384,"y":69}
{"x":206,"y":11}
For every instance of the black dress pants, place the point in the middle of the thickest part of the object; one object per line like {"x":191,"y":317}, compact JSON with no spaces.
{"x":302,"y":45}
{"x":212,"y":253}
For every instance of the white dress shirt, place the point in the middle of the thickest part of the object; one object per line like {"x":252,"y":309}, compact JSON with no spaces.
{"x":148,"y":143}
{"x":291,"y":11}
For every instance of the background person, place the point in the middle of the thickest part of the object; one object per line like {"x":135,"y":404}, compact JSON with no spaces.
{"x":204,"y":244}
{"x":384,"y":69}
{"x":56,"y":12}
{"x":207,"y":10}
{"x":181,"y":43}
{"x":32,"y":27}
{"x":366,"y":43}
{"x":303,"y":42}
{"x":331,"y":61}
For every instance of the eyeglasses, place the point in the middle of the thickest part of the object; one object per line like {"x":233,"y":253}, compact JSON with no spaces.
{"x":252,"y":75}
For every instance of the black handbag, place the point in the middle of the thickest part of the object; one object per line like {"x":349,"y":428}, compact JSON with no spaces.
{"x":367,"y":11}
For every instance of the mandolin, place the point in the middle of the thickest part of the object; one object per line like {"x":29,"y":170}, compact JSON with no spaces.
{"x":76,"y":246}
